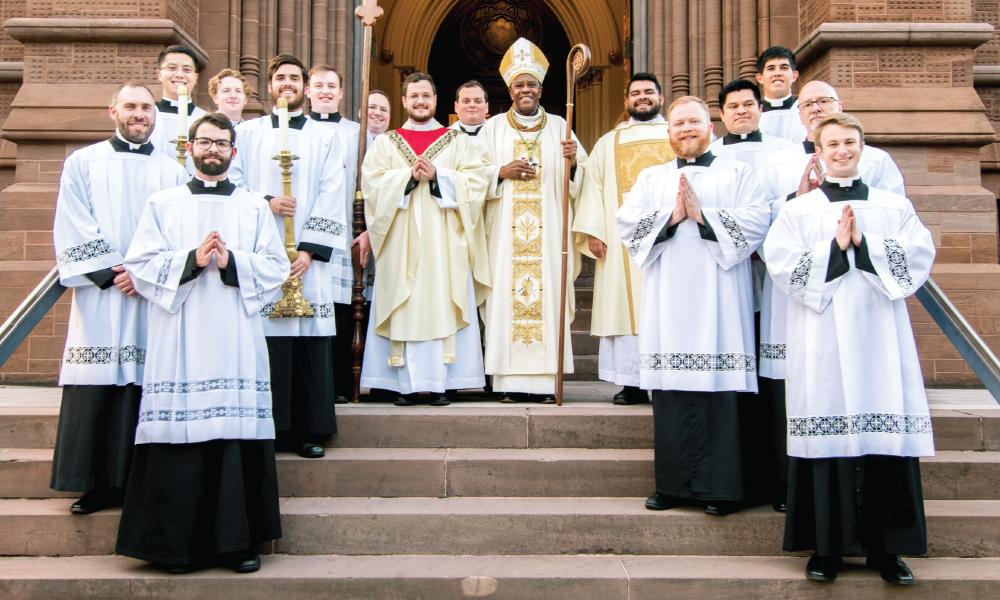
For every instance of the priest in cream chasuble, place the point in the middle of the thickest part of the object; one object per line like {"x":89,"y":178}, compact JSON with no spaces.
{"x":523,"y":229}
{"x":613,"y":166}
{"x":424,"y":187}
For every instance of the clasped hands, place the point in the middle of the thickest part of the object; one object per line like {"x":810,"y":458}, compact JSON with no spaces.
{"x":847,"y":229}
{"x":424,"y":170}
{"x":212,"y":246}
{"x":687,"y":204}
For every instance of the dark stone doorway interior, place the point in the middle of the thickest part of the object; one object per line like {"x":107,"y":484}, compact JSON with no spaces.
{"x":473,"y":38}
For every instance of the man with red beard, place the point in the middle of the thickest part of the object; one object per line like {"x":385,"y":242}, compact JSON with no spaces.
{"x":300,"y":348}
{"x":691,"y":226}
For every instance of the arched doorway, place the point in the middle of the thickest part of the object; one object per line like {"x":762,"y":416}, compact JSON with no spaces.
{"x":474,"y":37}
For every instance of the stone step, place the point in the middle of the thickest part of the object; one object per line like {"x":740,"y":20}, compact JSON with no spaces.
{"x":590,"y":424}
{"x":543,"y":472}
{"x":608,"y":577}
{"x":476,"y":526}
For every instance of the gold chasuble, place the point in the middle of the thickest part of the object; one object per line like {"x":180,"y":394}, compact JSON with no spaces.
{"x":615,"y":163}
{"x":427,"y":237}
{"x":523,"y":225}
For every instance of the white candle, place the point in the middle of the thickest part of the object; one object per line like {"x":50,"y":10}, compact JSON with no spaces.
{"x":182,"y":109}
{"x":283,"y":124}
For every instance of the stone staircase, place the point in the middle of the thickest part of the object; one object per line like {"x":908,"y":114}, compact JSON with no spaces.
{"x":482,"y":500}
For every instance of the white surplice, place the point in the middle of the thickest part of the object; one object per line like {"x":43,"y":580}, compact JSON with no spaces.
{"x":524,"y":230}
{"x":696,"y":321}
{"x":755,"y":149}
{"x":854,"y":384}
{"x":102,"y":192}
{"x":780,"y":118}
{"x":168,"y":127}
{"x":207,"y":374}
{"x":321,"y":224}
{"x":786,"y":167}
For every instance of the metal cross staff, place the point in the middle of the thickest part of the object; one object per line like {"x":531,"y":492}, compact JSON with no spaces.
{"x":368,"y":12}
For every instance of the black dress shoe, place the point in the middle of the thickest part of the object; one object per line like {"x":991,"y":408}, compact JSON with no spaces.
{"x":440,"y":400}
{"x":619,"y":398}
{"x":659,"y":502}
{"x":547,"y":399}
{"x":310,"y":450}
{"x":630,"y":395}
{"x":779,"y":506}
{"x":721,"y":508}
{"x":822,"y":568}
{"x":248,"y":564}
{"x":98,"y":499}
{"x":406,"y":400}
{"x":892,"y":568}
{"x":341,"y":399}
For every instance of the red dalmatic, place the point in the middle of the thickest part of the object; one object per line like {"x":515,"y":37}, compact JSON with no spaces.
{"x":419,"y":141}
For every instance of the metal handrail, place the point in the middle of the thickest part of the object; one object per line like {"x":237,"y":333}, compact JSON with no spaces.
{"x":961,"y":334}
{"x":26,"y":316}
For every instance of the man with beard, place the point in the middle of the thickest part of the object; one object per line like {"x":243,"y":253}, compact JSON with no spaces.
{"x":300,"y":348}
{"x":617,"y":159}
{"x":776,"y":73}
{"x":325,"y":93}
{"x":176,"y":66}
{"x":848,"y":254}
{"x":740,"y":109}
{"x":206,"y":255}
{"x":524,"y":231}
{"x":102,"y":192}
{"x":691,"y":225}
{"x":424,"y":187}
{"x":796,"y":170}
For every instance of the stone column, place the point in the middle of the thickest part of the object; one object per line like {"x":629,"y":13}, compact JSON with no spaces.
{"x":71,"y":67}
{"x":906,"y":72}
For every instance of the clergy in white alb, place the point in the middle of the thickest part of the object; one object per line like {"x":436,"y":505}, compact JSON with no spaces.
{"x":848,"y":255}
{"x":325,"y":93}
{"x":177,"y":66}
{"x":206,"y":256}
{"x":739,"y":102}
{"x":792,"y":171}
{"x":691,"y":226}
{"x":776,"y":72}
{"x":524,"y":230}
{"x":424,"y":187}
{"x":612,"y":168}
{"x":102,"y":192}
{"x":300,"y":348}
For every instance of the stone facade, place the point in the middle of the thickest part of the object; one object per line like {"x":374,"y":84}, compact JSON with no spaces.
{"x":923,"y":75}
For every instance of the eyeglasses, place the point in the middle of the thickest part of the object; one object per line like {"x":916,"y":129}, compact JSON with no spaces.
{"x":206,"y":143}
{"x":172,"y":68}
{"x":824,"y":101}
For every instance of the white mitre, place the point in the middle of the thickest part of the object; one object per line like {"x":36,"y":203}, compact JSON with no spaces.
{"x":523,"y":57}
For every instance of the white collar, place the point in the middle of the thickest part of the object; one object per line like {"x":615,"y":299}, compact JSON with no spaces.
{"x":426,"y":126}
{"x":131,"y":145}
{"x":778,"y":102}
{"x":529,"y":121}
{"x":656,"y":119}
{"x":208,"y":184}
{"x":843,"y":181}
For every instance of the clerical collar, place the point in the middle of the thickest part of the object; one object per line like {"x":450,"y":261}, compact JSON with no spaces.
{"x":737,"y":138}
{"x":839,"y":189}
{"x":165,"y":105}
{"x":705,"y":160}
{"x":473,"y":131}
{"x":296,"y":120}
{"x":218,"y":188}
{"x":429,"y":125}
{"x":783,"y":104}
{"x":810,"y":147}
{"x":656,"y":119}
{"x":120,"y":144}
{"x":329,"y":117}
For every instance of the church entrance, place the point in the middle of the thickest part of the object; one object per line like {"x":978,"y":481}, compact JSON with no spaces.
{"x":458,"y":40}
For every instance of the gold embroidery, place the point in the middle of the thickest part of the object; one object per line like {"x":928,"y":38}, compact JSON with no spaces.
{"x":526,"y":251}
{"x":630,"y":160}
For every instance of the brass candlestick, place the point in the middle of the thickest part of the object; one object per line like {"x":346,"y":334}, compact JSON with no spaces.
{"x":292,"y":304}
{"x":181,"y":143}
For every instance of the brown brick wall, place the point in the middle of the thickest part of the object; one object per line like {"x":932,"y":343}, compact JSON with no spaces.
{"x":91,"y":63}
{"x":10,"y":49}
{"x":910,"y":67}
{"x":813,"y":13}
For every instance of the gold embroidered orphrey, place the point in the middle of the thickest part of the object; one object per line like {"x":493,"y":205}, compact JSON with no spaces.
{"x":430,"y":153}
{"x":526,"y":254}
{"x":630,"y":160}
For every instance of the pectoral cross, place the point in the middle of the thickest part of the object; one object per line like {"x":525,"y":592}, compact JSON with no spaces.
{"x":368,"y":11}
